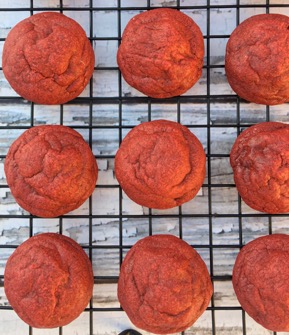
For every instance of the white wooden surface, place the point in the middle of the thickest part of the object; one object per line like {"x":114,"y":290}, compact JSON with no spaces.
{"x":105,"y":201}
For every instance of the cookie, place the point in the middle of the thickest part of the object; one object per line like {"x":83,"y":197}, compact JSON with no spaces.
{"x":257,"y":62}
{"x":50,"y":170}
{"x":260,"y":280}
{"x":47,"y":58}
{"x":48,"y":280}
{"x":164,"y":285}
{"x":161,"y":53}
{"x":160,"y":164}
{"x":260,"y":162}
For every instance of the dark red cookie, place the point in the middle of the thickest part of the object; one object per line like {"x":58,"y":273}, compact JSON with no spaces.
{"x":257,"y":62}
{"x":164,"y":285}
{"x":160,"y":164}
{"x":47,"y":58}
{"x":260,"y":162}
{"x":48,"y":280}
{"x":260,"y":280}
{"x":50,"y":170}
{"x":161,"y":53}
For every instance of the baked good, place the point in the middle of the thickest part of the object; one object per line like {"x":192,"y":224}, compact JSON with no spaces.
{"x":48,"y":280}
{"x":160,"y":164}
{"x":260,"y":280}
{"x":161,"y":53}
{"x":50,"y":170}
{"x":47,"y":58}
{"x":257,"y":62}
{"x":164,"y":285}
{"x":260,"y":162}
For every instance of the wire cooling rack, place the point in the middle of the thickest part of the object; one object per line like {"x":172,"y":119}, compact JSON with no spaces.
{"x":217,"y":223}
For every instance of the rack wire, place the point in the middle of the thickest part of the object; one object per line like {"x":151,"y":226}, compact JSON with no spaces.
{"x":217,"y":223}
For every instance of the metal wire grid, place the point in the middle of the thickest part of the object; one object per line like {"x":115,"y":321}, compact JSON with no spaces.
{"x":93,"y":104}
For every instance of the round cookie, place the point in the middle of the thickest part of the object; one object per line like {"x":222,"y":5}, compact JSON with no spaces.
{"x":257,"y":61}
{"x":160,"y":164}
{"x":164,"y":285}
{"x":161,"y":53}
{"x":48,"y":280}
{"x":260,"y":162}
{"x":47,"y":58}
{"x":260,"y":280}
{"x":50,"y":170}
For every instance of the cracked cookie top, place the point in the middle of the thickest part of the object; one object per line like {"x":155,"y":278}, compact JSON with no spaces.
{"x":260,"y":162}
{"x":160,"y":164}
{"x":47,"y":58}
{"x":260,"y":280}
{"x":50,"y":170}
{"x":48,"y":280}
{"x":257,"y":59}
{"x":164,"y":285}
{"x":161,"y":53}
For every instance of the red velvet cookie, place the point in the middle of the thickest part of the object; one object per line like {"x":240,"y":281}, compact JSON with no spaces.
{"x":50,"y":170}
{"x":164,"y":285}
{"x":47,"y":58}
{"x":160,"y":164}
{"x":161,"y":53}
{"x":48,"y":280}
{"x":260,"y":280}
{"x":260,"y":162}
{"x":257,"y":61}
